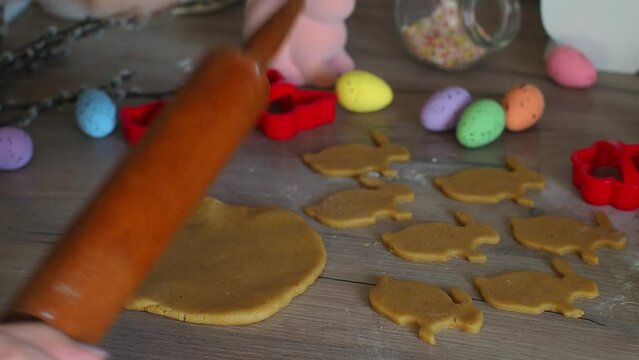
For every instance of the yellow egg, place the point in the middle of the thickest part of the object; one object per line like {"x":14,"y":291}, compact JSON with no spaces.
{"x":362,"y":92}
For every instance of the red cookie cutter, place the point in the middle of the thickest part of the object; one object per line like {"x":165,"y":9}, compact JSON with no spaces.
{"x":135,"y":120}
{"x":291,"y":111}
{"x":622,"y":194}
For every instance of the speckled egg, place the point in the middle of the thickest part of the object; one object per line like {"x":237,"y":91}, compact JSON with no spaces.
{"x":16,"y":148}
{"x":524,"y":104}
{"x":442,"y":110}
{"x":569,"y":67}
{"x":362,"y":92}
{"x":481,"y":123}
{"x":95,"y":113}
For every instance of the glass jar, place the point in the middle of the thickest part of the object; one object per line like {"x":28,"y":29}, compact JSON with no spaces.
{"x":449,"y":34}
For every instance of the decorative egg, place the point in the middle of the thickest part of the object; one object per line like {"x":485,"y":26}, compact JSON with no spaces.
{"x":362,"y":92}
{"x":443,"y":108}
{"x":569,"y":67}
{"x":524,"y":104}
{"x":95,"y":113}
{"x":481,"y":123}
{"x":16,"y":148}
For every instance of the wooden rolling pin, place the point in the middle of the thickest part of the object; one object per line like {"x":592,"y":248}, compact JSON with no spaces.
{"x":82,"y":286}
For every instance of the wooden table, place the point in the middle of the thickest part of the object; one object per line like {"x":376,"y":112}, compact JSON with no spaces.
{"x":333,"y":318}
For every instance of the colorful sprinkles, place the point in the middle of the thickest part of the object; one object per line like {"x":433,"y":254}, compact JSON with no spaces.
{"x":441,"y":39}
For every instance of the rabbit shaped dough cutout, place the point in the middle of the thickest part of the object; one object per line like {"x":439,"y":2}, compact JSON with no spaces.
{"x":439,"y":242}
{"x":357,"y":159}
{"x":314,"y":51}
{"x":535,"y":292}
{"x":428,"y":307}
{"x":562,"y":235}
{"x":362,"y":207}
{"x":490,"y":186}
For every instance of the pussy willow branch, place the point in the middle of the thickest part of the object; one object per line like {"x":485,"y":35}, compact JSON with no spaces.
{"x":55,"y":43}
{"x":29,"y":110}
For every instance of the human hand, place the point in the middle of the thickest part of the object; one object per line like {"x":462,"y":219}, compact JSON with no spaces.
{"x":39,"y":341}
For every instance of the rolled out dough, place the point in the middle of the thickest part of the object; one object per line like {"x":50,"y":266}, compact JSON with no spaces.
{"x":233,"y":265}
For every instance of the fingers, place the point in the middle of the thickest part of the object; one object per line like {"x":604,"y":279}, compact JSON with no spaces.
{"x":12,"y":348}
{"x":48,"y":343}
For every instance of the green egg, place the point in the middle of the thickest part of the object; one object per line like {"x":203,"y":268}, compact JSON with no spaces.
{"x":481,"y":123}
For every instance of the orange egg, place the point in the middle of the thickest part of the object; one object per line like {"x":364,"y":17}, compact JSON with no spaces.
{"x":524,"y":104}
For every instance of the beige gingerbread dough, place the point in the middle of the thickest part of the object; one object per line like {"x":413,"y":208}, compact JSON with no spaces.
{"x":363,"y":207}
{"x":430,"y":308}
{"x":562,"y":235}
{"x":358,"y":159}
{"x":439,"y":242}
{"x":490,"y":186}
{"x":233,"y":265}
{"x":535,"y":292}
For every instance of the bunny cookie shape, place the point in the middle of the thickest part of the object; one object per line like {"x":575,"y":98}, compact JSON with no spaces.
{"x":363,"y":207}
{"x":314,"y":50}
{"x":358,"y":159}
{"x":438,"y":242}
{"x":490,"y":186}
{"x":429,"y":307}
{"x":534,"y":292}
{"x":562,"y":235}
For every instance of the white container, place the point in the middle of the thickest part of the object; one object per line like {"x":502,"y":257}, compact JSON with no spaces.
{"x":607,"y":32}
{"x":12,"y":8}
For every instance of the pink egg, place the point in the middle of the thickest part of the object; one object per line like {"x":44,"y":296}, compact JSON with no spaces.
{"x":570,"y":68}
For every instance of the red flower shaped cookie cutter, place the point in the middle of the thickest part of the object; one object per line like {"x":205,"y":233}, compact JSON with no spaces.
{"x":621,"y":193}
{"x":291,"y":111}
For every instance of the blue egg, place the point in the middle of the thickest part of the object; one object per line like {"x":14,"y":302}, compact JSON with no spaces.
{"x":95,"y":113}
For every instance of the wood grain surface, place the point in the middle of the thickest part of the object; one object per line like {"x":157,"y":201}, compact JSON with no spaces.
{"x":333,"y":318}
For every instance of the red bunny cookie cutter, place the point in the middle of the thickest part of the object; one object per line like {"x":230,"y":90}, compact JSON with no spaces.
{"x":622,"y":194}
{"x":137,"y":119}
{"x":291,"y":110}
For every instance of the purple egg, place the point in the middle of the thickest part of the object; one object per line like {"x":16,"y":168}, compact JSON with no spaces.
{"x":16,"y":148}
{"x":443,"y":108}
